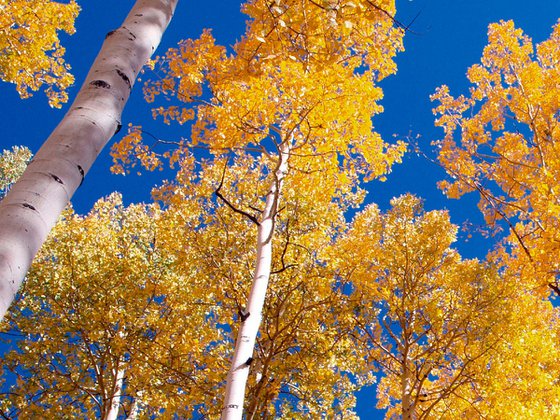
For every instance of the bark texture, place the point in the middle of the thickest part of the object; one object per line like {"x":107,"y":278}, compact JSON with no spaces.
{"x":35,"y":201}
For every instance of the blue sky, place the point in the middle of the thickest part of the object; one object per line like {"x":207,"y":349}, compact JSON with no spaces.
{"x":446,"y":37}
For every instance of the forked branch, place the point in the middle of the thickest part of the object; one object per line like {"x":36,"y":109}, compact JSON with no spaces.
{"x":231,"y":206}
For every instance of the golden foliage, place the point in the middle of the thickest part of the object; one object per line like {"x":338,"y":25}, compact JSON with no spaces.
{"x":317,"y":90}
{"x":112,"y":304}
{"x":446,"y":333}
{"x":31,"y":55}
{"x":291,"y":107}
{"x":503,"y":141}
{"x":156,"y":293}
{"x":301,"y":365}
{"x":12,"y":164}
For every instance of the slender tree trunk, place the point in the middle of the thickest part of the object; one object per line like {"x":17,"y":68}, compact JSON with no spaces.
{"x":136,"y":407}
{"x":251,"y":320}
{"x":406,"y":386}
{"x":114,"y":401}
{"x":32,"y":206}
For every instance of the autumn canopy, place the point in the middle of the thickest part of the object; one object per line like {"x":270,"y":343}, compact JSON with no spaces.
{"x":258,"y":281}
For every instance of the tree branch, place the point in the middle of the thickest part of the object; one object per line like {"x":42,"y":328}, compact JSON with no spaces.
{"x":231,"y":206}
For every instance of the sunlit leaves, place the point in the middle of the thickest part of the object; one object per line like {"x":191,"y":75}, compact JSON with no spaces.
{"x":131,"y":145}
{"x":436,"y":325}
{"x":291,"y":106}
{"x":12,"y":164}
{"x":502,"y":140}
{"x":322,"y":33}
{"x":317,"y":88}
{"x":301,"y":364}
{"x":159,"y":291}
{"x":112,"y":304}
{"x":521,"y":375}
{"x":30,"y":52}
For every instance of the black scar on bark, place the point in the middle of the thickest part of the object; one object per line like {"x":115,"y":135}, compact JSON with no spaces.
{"x":29,"y":206}
{"x":110,"y":33}
{"x":243,"y":314}
{"x":82,"y":173}
{"x":125,"y":78}
{"x":119,"y":126}
{"x":100,"y":84}
{"x":57,"y":179}
{"x":130,"y":33}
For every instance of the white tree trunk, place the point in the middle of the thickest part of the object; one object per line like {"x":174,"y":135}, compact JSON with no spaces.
{"x":407,"y":380}
{"x":136,"y":407}
{"x":247,"y":335}
{"x":34,"y":203}
{"x":114,"y":402}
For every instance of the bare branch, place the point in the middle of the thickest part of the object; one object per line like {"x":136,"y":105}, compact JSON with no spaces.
{"x":231,"y":206}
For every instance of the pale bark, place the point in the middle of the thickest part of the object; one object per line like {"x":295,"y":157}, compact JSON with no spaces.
{"x":246,"y":337}
{"x":406,"y":391}
{"x":407,"y":375}
{"x":114,"y":402}
{"x":34,"y":203}
{"x":136,"y":407}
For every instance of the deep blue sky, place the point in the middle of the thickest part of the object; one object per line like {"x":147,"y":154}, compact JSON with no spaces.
{"x":445,"y":39}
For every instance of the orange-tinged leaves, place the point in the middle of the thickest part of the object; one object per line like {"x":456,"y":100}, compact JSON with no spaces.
{"x":130,"y":150}
{"x":503,"y":140}
{"x":32,"y":56}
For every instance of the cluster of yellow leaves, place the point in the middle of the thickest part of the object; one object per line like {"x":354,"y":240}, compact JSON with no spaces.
{"x":503,"y":139}
{"x":30,"y":52}
{"x":157,"y":293}
{"x":12,"y":164}
{"x":315,"y":90}
{"x":112,"y":304}
{"x":131,"y":145}
{"x":320,"y":34}
{"x":520,"y":377}
{"x":446,"y":333}
{"x":292,"y":107}
{"x":301,"y":365}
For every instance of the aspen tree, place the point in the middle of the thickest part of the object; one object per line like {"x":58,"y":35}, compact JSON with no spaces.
{"x":502,"y":140}
{"x":34,"y":203}
{"x":298,"y":93}
{"x":303,"y":362}
{"x":101,"y":326}
{"x":137,"y":319}
{"x":449,"y":336}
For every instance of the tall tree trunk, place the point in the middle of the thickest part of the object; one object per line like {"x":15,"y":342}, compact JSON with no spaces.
{"x":114,"y":402}
{"x":32,"y":206}
{"x":136,"y":407}
{"x":251,"y":319}
{"x":406,"y":385}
